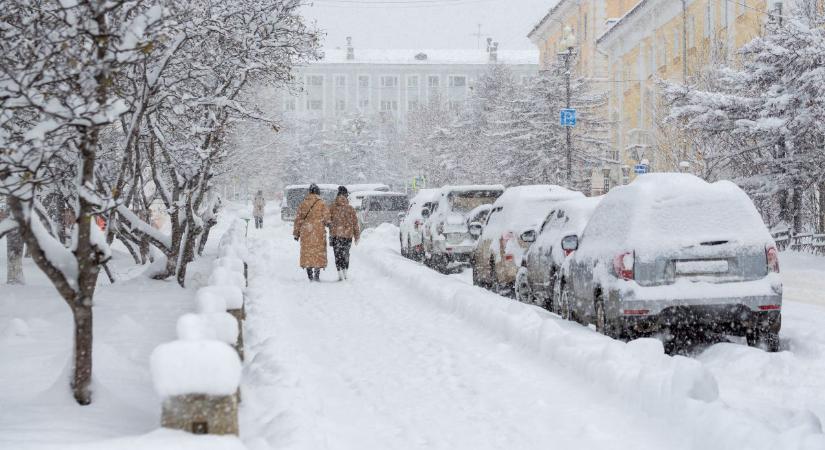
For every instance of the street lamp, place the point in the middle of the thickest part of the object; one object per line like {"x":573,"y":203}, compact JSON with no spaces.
{"x":568,"y":42}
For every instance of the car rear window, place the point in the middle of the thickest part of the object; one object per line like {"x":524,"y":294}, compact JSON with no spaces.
{"x":389,"y":203}
{"x":467,"y":201}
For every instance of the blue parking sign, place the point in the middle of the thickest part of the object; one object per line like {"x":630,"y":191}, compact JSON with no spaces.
{"x":567,"y":117}
{"x":640,"y":168}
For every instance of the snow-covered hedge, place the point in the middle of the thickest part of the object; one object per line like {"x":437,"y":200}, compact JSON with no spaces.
{"x":678,"y":389}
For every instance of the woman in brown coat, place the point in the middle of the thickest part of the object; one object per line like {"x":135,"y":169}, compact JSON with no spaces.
{"x":343,"y":230}
{"x":310,"y":228}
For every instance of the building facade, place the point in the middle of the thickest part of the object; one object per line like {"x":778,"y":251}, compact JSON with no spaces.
{"x":625,"y":47}
{"x":392,"y":83}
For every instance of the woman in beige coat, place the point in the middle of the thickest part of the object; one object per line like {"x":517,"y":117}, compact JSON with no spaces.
{"x":310,"y":228}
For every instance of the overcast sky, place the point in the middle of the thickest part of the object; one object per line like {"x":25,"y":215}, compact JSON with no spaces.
{"x":412,"y":24}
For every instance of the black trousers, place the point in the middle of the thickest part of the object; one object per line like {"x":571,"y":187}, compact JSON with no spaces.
{"x":259,"y":222}
{"x":341,"y":246}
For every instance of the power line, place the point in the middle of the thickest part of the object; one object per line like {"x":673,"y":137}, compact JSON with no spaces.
{"x":397,"y":4}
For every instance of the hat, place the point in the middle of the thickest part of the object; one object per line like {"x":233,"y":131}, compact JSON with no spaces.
{"x":314,"y":189}
{"x":342,"y":190}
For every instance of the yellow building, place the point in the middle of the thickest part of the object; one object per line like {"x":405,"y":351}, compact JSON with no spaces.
{"x":625,"y":46}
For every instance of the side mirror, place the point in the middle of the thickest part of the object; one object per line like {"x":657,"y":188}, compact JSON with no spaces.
{"x":425,"y":213}
{"x":401,"y":216}
{"x":570,"y":243}
{"x":476,"y":229}
{"x":528,"y":236}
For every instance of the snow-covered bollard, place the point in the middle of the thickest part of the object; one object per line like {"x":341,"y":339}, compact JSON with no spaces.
{"x":234,"y":264}
{"x":198,"y":381}
{"x":221,"y":298}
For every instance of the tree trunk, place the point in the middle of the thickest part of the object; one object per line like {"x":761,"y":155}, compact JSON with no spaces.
{"x":82,"y":373}
{"x":797,"y":210}
{"x":205,"y":236}
{"x":14,"y":252}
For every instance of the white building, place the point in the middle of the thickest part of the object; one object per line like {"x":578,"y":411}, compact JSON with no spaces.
{"x":351,"y":81}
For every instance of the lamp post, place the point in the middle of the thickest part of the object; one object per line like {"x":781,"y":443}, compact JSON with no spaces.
{"x":568,"y":42}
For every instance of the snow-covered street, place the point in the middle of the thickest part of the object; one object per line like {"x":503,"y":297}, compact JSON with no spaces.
{"x":402,"y":357}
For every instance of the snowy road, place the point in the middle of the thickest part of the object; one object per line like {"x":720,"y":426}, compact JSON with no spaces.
{"x":366,"y":364}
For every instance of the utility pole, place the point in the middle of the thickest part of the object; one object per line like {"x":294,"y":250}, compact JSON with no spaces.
{"x":684,"y":41}
{"x":478,"y":35}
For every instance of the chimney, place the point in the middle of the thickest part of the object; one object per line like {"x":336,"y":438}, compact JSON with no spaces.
{"x":350,"y":49}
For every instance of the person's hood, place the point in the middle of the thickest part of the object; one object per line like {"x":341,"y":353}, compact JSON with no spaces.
{"x":341,"y":201}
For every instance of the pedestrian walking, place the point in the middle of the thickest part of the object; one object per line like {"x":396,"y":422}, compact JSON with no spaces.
{"x":310,"y":228}
{"x":258,"y":205}
{"x":343,"y":230}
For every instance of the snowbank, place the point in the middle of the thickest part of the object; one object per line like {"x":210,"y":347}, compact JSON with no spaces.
{"x":680,"y":390}
{"x":230,"y":263}
{"x":195,"y":367}
{"x":164,"y":439}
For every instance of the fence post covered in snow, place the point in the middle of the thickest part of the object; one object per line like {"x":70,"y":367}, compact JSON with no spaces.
{"x":229,"y":276}
{"x":198,"y":381}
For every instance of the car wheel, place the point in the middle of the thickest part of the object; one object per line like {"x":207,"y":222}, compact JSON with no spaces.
{"x":522,"y":289}
{"x":763,"y":338}
{"x":604,"y":325}
{"x":565,"y":311}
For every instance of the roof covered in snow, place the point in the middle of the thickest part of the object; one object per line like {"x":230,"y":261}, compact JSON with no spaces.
{"x":428,"y":56}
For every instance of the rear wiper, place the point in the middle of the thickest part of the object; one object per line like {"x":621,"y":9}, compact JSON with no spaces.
{"x":713,"y":242}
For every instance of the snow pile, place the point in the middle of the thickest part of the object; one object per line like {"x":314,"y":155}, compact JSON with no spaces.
{"x":222,"y":276}
{"x":233,"y":242}
{"x":220,"y":326}
{"x":210,"y":298}
{"x":163,"y":439}
{"x":230,"y":263}
{"x":195,"y":367}
{"x":680,"y":390}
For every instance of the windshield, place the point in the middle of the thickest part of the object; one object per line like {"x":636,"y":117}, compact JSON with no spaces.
{"x":465,"y":202}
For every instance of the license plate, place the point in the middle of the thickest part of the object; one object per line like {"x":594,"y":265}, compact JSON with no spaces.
{"x":715,"y":266}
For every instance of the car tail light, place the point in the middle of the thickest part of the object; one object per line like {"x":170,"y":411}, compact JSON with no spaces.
{"x":623,"y":265}
{"x":770,"y":307}
{"x":635,"y":312}
{"x":773,"y":258}
{"x":568,"y":252}
{"x":508,"y":257}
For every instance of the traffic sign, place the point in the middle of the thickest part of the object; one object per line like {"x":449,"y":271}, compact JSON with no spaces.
{"x":641,"y":168}
{"x":567,"y":117}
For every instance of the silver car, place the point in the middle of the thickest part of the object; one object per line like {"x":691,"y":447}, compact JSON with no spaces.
{"x":671,"y":251}
{"x":381,"y":207}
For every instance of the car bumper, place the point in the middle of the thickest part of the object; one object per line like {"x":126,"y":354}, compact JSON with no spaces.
{"x":728,"y":312}
{"x":457,"y":252}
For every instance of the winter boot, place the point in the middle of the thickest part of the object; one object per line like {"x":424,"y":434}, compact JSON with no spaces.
{"x":345,"y":274}
{"x":340,"y":275}
{"x":317,"y":275}
{"x":309,"y":274}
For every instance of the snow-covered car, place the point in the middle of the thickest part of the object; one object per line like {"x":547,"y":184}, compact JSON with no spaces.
{"x":358,"y":191}
{"x":379,"y":207}
{"x":295,"y":194}
{"x":413,"y":223}
{"x":674,"y":251}
{"x":537,"y":276}
{"x":500,"y":247}
{"x":447,"y":238}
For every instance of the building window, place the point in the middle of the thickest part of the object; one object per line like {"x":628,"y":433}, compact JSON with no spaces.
{"x":709,"y":19}
{"x":363,"y":81}
{"x":340,"y":81}
{"x":314,"y":105}
{"x":458,"y":81}
{"x":389,"y":105}
{"x":433,"y":81}
{"x":585,"y":26}
{"x":340,"y":105}
{"x":289,"y":104}
{"x":412,"y":81}
{"x":364,"y":104}
{"x":315,"y":80}
{"x":412,"y":105}
{"x":389,"y":82}
{"x":691,"y":32}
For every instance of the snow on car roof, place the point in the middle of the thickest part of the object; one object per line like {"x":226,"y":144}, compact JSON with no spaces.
{"x":536,"y":192}
{"x":380,"y":194}
{"x":367,"y":187}
{"x":306,"y":186}
{"x":425,"y":195}
{"x":472,"y":187}
{"x":673,"y":210}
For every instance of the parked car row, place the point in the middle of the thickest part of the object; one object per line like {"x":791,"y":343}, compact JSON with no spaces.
{"x":668,"y":251}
